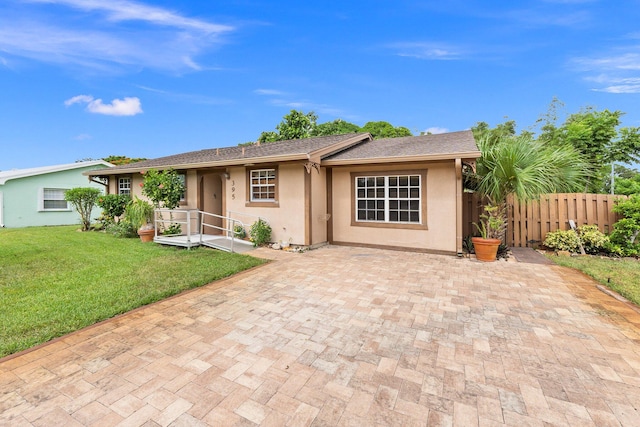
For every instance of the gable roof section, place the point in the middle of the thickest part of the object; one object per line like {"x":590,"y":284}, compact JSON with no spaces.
{"x":313,"y":149}
{"x":445,"y":146}
{"x":23,"y":173}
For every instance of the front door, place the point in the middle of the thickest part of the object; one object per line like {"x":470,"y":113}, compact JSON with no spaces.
{"x":210,"y":201}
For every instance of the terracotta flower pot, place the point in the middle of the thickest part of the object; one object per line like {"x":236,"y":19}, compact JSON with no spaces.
{"x":486,"y":249}
{"x":146,"y":235}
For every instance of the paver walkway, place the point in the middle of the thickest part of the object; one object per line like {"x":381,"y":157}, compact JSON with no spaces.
{"x":347,"y":337}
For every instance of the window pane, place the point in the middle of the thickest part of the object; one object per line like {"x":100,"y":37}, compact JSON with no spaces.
{"x":404,"y":216}
{"x":414,"y":205}
{"x":361,"y":193}
{"x":360,"y":182}
{"x":371,"y":204}
{"x":415,"y":216}
{"x":414,"y":193}
{"x":393,"y":192}
{"x":263,"y":184}
{"x":371,"y":182}
{"x":371,"y":193}
{"x":380,"y":181}
{"x":414,"y":181}
{"x":393,"y":180}
{"x":393,"y":216}
{"x":362,"y":215}
{"x":362,"y":204}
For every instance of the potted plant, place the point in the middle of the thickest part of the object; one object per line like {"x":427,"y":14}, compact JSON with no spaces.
{"x":491,"y":228}
{"x":140,"y":214}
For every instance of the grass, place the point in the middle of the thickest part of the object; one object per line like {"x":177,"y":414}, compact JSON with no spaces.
{"x":620,"y":275}
{"x":55,"y":280}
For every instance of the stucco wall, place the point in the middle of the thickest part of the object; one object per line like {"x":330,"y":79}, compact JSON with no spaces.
{"x":318,"y":206}
{"x":287,"y":217}
{"x":21,"y":198}
{"x":440,"y":194}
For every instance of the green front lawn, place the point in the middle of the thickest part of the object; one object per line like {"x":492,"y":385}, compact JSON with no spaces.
{"x":55,"y":280}
{"x":621,"y":275}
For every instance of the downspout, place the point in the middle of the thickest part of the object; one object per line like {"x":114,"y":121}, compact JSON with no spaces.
{"x":459,"y":207}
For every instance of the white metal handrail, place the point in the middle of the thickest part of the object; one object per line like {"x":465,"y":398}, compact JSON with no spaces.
{"x":229,"y":230}
{"x":159,"y":219}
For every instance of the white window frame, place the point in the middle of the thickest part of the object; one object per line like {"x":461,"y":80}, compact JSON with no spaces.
{"x":380,"y":194}
{"x":41,"y":200}
{"x":263,"y":176}
{"x":122,"y":187}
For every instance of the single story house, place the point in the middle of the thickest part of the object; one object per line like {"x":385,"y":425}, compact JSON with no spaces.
{"x":35,"y":196}
{"x":342,"y":189}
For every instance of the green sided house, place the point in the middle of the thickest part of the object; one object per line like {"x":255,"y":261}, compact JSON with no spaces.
{"x":35,"y":196}
{"x":403,"y":193}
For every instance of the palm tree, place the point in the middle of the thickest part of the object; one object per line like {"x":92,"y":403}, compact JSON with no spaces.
{"x":525,"y":168}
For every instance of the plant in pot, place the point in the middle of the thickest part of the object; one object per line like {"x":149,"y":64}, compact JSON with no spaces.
{"x":524,"y":168}
{"x":492,"y":227}
{"x":140,"y":214}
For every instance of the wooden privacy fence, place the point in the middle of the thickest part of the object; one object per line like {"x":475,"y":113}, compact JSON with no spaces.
{"x":529,"y":222}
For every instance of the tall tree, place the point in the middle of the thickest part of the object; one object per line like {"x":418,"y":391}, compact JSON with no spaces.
{"x":380,"y":130}
{"x":596,"y":134}
{"x":336,"y":127}
{"x":122,"y":160}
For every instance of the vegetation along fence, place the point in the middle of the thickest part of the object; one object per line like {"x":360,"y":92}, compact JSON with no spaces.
{"x":529,"y":222}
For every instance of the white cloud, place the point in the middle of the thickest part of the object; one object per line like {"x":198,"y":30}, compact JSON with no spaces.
{"x":617,"y":72}
{"x":426,"y":50}
{"x":129,"y":106}
{"x":273,"y":92}
{"x":77,"y":99}
{"x":123,"y":10}
{"x":117,"y":35}
{"x":435,"y":130}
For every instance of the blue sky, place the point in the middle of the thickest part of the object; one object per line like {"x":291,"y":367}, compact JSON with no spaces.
{"x":91,"y":78}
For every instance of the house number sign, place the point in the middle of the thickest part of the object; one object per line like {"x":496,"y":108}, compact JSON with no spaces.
{"x":233,"y":190}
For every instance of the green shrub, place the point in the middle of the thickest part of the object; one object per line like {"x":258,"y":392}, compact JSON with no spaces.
{"x":562,"y":240}
{"x":260,"y":232}
{"x":83,"y":199}
{"x":113,"y":206}
{"x":626,"y":231}
{"x":593,"y":240}
{"x":123,"y":228}
{"x":239,"y":232}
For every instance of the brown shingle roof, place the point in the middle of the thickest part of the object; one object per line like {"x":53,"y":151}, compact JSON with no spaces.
{"x":333,"y":149}
{"x":441,"y":146}
{"x":290,"y":149}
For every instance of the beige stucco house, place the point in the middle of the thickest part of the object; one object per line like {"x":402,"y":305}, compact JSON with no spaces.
{"x":341,"y":189}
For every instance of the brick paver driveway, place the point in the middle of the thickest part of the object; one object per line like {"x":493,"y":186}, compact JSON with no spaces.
{"x":347,"y":336}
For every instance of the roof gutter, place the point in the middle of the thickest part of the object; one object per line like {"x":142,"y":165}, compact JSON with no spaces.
{"x":399,"y":159}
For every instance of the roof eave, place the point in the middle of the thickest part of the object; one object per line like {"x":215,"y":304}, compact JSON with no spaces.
{"x":403,"y":159}
{"x":201,"y":165}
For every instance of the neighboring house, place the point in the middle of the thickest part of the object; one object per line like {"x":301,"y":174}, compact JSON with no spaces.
{"x":35,"y":196}
{"x":342,"y":189}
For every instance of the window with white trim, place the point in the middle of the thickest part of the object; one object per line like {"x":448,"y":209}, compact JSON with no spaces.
{"x":263,"y":185}
{"x":389,"y":199}
{"x":124,"y":185}
{"x":52,"y":199}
